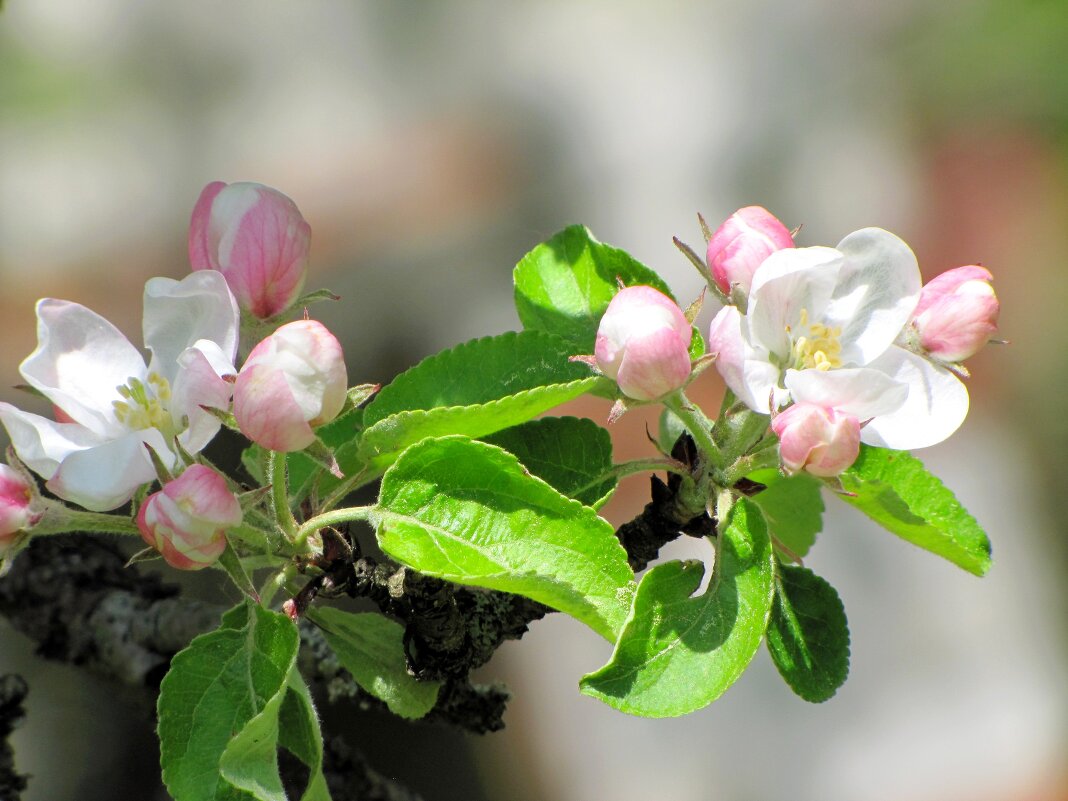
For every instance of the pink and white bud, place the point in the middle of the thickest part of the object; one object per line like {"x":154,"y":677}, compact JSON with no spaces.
{"x":643,"y":343}
{"x":742,"y":243}
{"x":256,"y":237}
{"x":820,"y":440}
{"x":16,"y":493}
{"x":957,"y":313}
{"x":293,"y":380}
{"x":186,"y":521}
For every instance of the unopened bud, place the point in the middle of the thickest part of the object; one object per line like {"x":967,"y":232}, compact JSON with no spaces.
{"x":643,"y":343}
{"x":741,"y":244}
{"x":817,"y":439}
{"x":256,"y":237}
{"x":957,"y":313}
{"x":16,"y":493}
{"x":186,"y":521}
{"x":293,"y":380}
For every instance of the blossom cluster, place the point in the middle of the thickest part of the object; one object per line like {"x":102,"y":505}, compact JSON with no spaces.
{"x":120,"y":423}
{"x":837,"y":346}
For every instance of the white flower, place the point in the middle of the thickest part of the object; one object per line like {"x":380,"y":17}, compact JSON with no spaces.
{"x":820,"y":328}
{"x":109,"y":405}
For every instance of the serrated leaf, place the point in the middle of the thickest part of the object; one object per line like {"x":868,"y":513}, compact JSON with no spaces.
{"x":793,"y":509}
{"x":808,"y":637}
{"x":298,"y":733}
{"x":571,"y":454}
{"x":679,"y":653}
{"x":895,"y":490}
{"x":371,"y":648}
{"x":474,"y":389}
{"x":564,"y":285}
{"x":468,"y":512}
{"x":218,"y":708}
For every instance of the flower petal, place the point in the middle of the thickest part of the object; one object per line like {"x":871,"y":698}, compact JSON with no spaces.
{"x":937,"y":403}
{"x":199,"y":384}
{"x":201,"y":251}
{"x":266,"y":411}
{"x":654,"y":365}
{"x":42,"y":443}
{"x":106,"y":476}
{"x":788,"y":281}
{"x":745,"y":369}
{"x":878,"y":288}
{"x":859,"y":391}
{"x":80,"y":361}
{"x":178,"y":313}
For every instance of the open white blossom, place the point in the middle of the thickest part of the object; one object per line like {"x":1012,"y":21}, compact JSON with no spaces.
{"x":820,"y":328}
{"x":110,"y":405}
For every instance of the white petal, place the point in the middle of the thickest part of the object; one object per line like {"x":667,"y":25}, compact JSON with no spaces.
{"x":80,"y":361}
{"x":746,"y":370}
{"x":878,"y":287}
{"x":860,"y":391}
{"x":179,"y":313}
{"x":106,"y":476}
{"x":42,"y":443}
{"x":786,"y":282}
{"x":937,"y":403}
{"x":199,"y":384}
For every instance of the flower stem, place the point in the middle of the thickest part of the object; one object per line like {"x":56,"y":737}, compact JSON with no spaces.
{"x":333,"y":518}
{"x":94,"y":522}
{"x":698,"y":426}
{"x":280,"y":494}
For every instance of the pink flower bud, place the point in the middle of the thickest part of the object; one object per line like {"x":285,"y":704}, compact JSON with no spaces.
{"x":820,"y":440}
{"x":957,"y":313}
{"x":186,"y":521}
{"x":742,"y":243}
{"x":293,"y":380}
{"x":256,"y":237}
{"x":15,"y":513}
{"x":643,"y":342}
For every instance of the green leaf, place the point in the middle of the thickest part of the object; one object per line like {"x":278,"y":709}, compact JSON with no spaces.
{"x":793,"y":509}
{"x":298,"y":733}
{"x":895,"y":490}
{"x":218,"y":709}
{"x":808,"y":636}
{"x":564,"y":285}
{"x":474,"y":389}
{"x":678,"y":653}
{"x":371,"y":648}
{"x":572,"y":455}
{"x":469,"y":513}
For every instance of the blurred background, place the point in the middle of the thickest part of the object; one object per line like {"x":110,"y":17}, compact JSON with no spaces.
{"x":431,"y":145}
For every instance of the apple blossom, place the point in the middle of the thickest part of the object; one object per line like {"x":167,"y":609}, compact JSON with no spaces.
{"x":186,"y":521}
{"x":111,"y":404}
{"x":816,"y":439}
{"x":820,"y":328}
{"x":15,"y":512}
{"x":292,"y":380}
{"x":642,"y":343}
{"x":957,"y":313}
{"x":257,"y":238}
{"x":741,"y":244}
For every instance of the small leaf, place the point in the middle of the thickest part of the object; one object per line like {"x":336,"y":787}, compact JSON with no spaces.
{"x":677,"y":652}
{"x":895,"y":490}
{"x":572,"y":455}
{"x":218,"y":708}
{"x":564,"y":285}
{"x":473,"y":389}
{"x":371,"y":648}
{"x":298,"y":733}
{"x":469,"y":513}
{"x":793,"y":509}
{"x":808,"y":637}
{"x":231,"y":563}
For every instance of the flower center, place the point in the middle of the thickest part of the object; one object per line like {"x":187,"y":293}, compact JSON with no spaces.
{"x":819,"y":347}
{"x":146,"y":404}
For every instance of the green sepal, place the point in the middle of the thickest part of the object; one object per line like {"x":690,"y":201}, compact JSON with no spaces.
{"x":231,"y":564}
